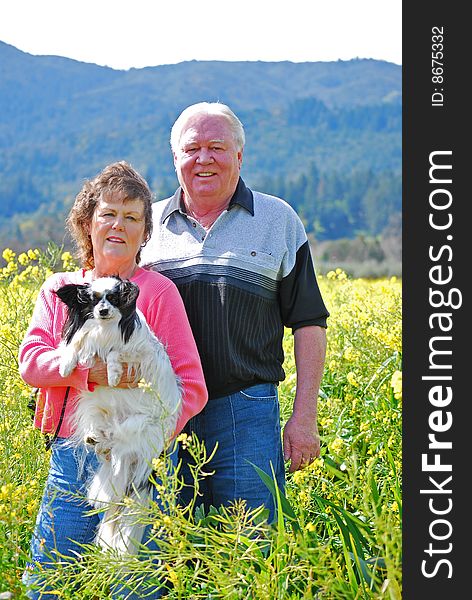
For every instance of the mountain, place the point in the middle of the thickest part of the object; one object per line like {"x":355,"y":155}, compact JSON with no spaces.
{"x":324,"y":135}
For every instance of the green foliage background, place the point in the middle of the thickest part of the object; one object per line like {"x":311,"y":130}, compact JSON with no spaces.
{"x":324,"y":136}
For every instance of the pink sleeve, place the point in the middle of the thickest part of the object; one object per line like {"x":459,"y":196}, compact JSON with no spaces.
{"x":168,"y":319}
{"x":38,"y":354}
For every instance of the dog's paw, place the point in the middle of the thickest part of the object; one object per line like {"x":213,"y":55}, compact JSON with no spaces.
{"x":114,"y":368}
{"x":114,"y":372}
{"x":113,"y":378}
{"x":66,"y":367}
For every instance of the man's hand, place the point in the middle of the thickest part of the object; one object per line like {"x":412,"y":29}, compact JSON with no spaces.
{"x":301,"y":438}
{"x":301,"y":443}
{"x":98,"y":375}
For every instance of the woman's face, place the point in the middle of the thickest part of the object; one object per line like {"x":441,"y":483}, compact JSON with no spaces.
{"x":117,"y":232}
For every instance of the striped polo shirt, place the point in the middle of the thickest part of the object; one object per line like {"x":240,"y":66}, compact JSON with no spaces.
{"x":241,"y":281}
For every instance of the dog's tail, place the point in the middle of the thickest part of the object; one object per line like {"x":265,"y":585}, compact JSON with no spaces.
{"x":112,"y":489}
{"x":121,"y":528}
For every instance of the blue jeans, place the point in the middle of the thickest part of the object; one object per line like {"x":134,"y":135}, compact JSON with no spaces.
{"x":246,"y":426}
{"x":63,"y":523}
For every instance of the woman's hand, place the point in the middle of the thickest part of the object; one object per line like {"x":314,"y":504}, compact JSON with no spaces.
{"x":98,"y":375}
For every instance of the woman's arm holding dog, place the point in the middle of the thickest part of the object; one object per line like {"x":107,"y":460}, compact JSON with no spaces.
{"x":98,"y":375}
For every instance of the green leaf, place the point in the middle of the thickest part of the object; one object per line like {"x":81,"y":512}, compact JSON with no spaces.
{"x":286,"y":506}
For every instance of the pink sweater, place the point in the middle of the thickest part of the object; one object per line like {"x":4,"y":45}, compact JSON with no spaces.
{"x":159,"y":301}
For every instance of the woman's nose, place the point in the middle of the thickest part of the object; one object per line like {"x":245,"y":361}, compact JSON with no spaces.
{"x":118,"y":223}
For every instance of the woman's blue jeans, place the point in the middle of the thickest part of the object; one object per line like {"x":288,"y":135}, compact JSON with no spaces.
{"x":246,"y":426}
{"x":63,"y":522}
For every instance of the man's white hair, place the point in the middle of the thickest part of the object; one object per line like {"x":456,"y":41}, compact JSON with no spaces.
{"x":207,"y":108}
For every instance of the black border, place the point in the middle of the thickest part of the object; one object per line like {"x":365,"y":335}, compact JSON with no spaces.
{"x":428,"y":128}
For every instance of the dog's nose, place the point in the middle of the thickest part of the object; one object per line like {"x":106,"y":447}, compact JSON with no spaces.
{"x":103,"y":312}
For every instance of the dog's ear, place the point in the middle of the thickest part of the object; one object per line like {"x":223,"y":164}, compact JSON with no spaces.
{"x":129,"y":291}
{"x":72,"y":294}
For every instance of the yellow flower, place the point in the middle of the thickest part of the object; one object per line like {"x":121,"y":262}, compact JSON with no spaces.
{"x":337,"y":445}
{"x":351,"y":378}
{"x":299,"y":476}
{"x":397,"y":384}
{"x":350,"y":354}
{"x":172,"y":575}
{"x":8,"y":255}
{"x":68,"y":263}
{"x":158,"y":464}
{"x":303,"y":496}
{"x":341,"y":275}
{"x":144,"y":385}
{"x":23,"y":259}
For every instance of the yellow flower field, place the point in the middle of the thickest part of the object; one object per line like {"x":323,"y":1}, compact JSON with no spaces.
{"x":341,"y":535}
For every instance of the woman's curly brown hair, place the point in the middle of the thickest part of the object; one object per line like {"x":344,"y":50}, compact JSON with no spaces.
{"x":116,"y":177}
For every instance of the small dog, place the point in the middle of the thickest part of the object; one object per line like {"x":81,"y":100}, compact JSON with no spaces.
{"x":126,"y":427}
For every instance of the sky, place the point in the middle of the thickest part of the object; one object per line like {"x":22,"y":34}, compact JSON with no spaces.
{"x":137,"y":33}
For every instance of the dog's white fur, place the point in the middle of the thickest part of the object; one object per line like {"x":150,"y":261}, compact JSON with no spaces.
{"x":127,"y":427}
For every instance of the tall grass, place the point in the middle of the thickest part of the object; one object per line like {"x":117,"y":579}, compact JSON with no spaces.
{"x":337,"y":534}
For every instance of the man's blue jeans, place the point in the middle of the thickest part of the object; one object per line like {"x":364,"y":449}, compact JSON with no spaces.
{"x":63,"y":523}
{"x":246,"y":426}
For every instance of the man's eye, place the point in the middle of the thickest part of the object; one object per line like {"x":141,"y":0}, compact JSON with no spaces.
{"x":131,"y":218}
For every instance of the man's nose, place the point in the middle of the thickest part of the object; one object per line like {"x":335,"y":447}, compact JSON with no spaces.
{"x":205,"y":156}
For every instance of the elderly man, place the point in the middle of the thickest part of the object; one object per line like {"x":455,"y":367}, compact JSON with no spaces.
{"x":242,"y":264}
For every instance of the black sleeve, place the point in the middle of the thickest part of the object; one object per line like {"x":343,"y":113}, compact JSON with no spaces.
{"x":301,"y":303}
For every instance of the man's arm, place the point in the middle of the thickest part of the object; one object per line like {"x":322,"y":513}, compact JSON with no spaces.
{"x":300,"y":437}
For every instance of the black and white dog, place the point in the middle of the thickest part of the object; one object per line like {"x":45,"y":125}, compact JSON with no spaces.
{"x":126,"y":427}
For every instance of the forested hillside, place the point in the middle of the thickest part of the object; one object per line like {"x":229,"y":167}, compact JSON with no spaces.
{"x":325,"y":136}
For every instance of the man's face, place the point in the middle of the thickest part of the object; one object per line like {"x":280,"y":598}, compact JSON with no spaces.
{"x":207,"y":160}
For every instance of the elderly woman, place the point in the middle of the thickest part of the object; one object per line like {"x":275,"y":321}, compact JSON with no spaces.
{"x":110,"y":221}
